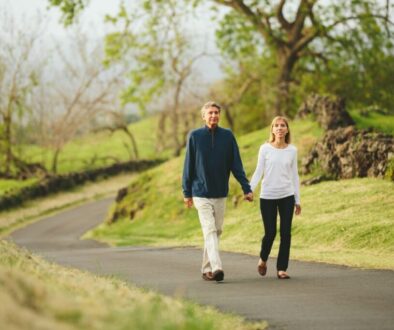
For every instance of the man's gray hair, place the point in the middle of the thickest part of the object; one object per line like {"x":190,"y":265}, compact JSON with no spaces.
{"x":208,"y":105}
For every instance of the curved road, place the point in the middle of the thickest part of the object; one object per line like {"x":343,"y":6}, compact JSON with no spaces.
{"x":319,"y":296}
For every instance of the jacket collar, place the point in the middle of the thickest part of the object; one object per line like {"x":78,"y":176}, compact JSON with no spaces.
{"x":209,"y":130}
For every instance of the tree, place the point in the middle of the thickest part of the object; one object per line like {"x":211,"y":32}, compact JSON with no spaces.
{"x":152,"y":40}
{"x":295,"y":35}
{"x":20,"y":70}
{"x":79,"y":91}
{"x":119,"y":123}
{"x":292,"y":31}
{"x":358,"y":67}
{"x":162,"y":59}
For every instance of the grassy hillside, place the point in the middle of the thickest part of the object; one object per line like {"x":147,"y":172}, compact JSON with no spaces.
{"x":376,"y":121}
{"x":55,"y":297}
{"x":104,"y":147}
{"x":346,"y":222}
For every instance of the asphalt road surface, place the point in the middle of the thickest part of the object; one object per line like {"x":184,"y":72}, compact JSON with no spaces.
{"x":318,"y":296}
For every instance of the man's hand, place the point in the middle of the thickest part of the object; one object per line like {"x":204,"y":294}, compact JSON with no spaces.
{"x":249,"y":197}
{"x":188,"y":202}
{"x":297,"y":209}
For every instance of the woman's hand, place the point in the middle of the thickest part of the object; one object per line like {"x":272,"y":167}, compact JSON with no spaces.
{"x":297,"y":209}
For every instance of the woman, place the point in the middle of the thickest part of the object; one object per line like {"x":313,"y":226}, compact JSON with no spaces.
{"x":277,"y":164}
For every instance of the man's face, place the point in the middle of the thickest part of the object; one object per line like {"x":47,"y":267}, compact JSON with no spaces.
{"x":211,"y":117}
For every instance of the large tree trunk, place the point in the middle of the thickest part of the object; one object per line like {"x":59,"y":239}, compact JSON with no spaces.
{"x":286,"y":64}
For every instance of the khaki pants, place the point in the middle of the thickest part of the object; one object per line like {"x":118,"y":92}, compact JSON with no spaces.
{"x":211,"y":215}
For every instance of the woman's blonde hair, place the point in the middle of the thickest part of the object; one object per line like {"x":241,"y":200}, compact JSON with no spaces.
{"x":272,"y":135}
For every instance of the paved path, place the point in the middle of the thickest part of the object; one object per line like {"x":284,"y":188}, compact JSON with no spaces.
{"x":319,"y":296}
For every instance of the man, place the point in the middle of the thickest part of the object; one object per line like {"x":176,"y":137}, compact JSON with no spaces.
{"x":212,"y":153}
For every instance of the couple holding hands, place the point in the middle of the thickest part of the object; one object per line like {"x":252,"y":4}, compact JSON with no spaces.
{"x":212,"y":153}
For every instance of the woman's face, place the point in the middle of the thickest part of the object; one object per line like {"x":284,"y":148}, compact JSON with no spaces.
{"x":279,"y":129}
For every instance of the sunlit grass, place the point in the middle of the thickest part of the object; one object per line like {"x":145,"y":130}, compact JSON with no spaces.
{"x":101,"y":148}
{"x":6,"y":185}
{"x":375,"y":121}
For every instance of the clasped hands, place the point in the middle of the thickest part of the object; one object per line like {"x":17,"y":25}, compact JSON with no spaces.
{"x":248,"y":197}
{"x":189,"y":200}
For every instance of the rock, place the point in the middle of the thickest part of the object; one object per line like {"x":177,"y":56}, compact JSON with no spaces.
{"x":346,"y":153}
{"x":329,"y":111}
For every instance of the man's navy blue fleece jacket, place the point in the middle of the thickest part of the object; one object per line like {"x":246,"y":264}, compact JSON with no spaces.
{"x":210,"y":157}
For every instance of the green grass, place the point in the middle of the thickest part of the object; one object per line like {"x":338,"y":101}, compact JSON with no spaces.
{"x":100,"y":149}
{"x":378,"y":122}
{"x":346,"y":222}
{"x":104,"y":147}
{"x":7,"y":185}
{"x":36,"y":294}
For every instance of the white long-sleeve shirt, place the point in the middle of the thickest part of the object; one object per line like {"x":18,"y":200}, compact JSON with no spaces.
{"x":279,"y":170}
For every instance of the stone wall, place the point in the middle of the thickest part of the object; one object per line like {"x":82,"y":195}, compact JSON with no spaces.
{"x":344,"y":152}
{"x":347,"y":153}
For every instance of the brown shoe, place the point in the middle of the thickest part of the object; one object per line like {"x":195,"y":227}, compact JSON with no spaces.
{"x":207,"y":276}
{"x":218,"y":275}
{"x":262,"y":269}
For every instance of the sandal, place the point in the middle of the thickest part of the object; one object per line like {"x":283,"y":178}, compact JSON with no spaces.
{"x":283,"y":276}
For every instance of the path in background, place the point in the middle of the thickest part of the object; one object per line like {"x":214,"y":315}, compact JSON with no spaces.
{"x":319,"y":296}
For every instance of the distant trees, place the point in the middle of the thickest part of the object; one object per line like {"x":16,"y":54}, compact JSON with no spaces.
{"x":80,"y":90}
{"x":20,"y":72}
{"x":161,"y":58}
{"x":152,"y":39}
{"x":291,"y":48}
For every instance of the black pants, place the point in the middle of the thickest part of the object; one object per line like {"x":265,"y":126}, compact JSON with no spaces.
{"x":269,"y":210}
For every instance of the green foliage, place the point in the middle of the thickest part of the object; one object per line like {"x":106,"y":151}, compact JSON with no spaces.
{"x":359,"y":64}
{"x":69,"y":8}
{"x":252,"y":109}
{"x":238,"y":38}
{"x":351,"y":54}
{"x":153,"y":46}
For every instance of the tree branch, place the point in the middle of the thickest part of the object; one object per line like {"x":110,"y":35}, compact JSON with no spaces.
{"x":350,"y":18}
{"x":279,"y":14}
{"x":241,"y":7}
{"x":304,"y":10}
